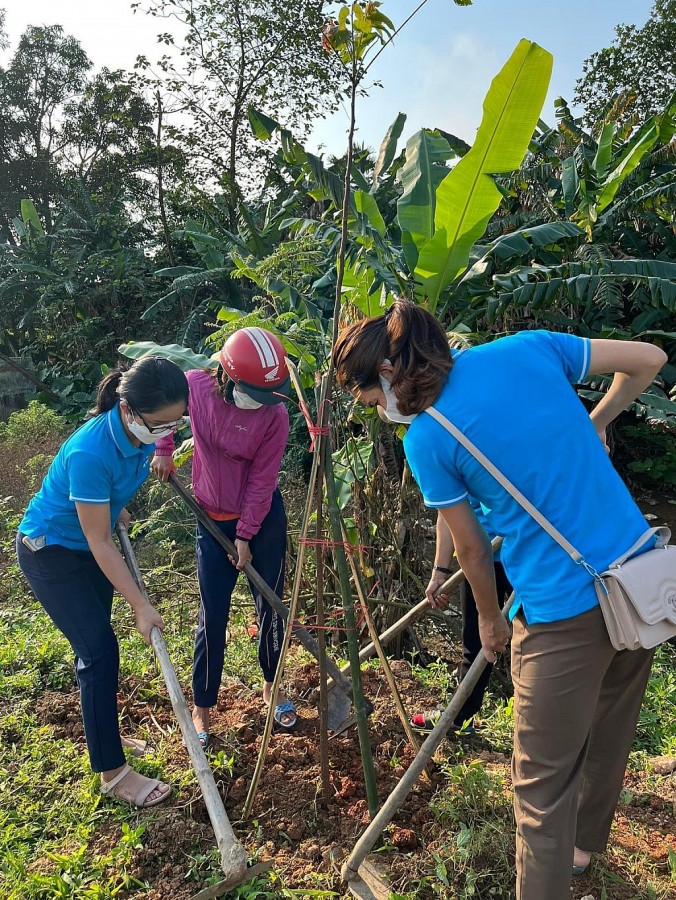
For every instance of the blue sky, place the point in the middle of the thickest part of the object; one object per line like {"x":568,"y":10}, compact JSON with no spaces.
{"x":437,"y":71}
{"x":440,"y":67}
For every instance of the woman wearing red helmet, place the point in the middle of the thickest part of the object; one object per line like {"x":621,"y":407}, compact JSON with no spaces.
{"x":240,"y":427}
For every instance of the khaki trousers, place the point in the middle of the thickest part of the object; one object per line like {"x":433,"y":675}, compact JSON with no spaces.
{"x":576,"y":703}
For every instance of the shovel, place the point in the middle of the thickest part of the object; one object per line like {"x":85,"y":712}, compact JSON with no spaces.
{"x":233,"y":855}
{"x":340,"y":700}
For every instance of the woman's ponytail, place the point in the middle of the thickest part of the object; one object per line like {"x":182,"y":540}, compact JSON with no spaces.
{"x":107,"y":392}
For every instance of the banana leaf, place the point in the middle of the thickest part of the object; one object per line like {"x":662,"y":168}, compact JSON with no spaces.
{"x":388,"y":147}
{"x":468,"y":196}
{"x":182,"y":356}
{"x":421,"y":174}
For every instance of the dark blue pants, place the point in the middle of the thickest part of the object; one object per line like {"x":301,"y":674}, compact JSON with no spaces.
{"x":471,"y":642}
{"x":78,"y":598}
{"x":217,"y":577}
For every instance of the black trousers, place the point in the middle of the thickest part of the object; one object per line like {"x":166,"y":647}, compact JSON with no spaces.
{"x":78,"y":598}
{"x":471,"y":642}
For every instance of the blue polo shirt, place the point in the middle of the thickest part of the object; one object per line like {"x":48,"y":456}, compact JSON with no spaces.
{"x":97,"y":464}
{"x":478,"y":510}
{"x":514,"y":399}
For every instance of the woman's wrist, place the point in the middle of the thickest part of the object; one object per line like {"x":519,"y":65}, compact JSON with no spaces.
{"x":443,"y":569}
{"x":138,"y":602}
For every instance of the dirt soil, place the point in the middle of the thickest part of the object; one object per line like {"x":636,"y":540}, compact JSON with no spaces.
{"x":290,"y":824}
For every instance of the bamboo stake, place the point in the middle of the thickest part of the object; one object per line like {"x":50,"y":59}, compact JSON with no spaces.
{"x":364,"y":845}
{"x":286,"y":643}
{"x":321,"y":635}
{"x":350,"y":631}
{"x":384,"y":661}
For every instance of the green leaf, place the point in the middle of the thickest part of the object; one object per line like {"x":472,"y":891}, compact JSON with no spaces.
{"x":30,"y":214}
{"x":632,"y":156}
{"x":570,"y":182}
{"x":357,"y":288}
{"x":421,"y":174}
{"x":184,"y":357}
{"x":350,"y":464}
{"x":388,"y":148}
{"x":604,"y":151}
{"x":468,"y":196}
{"x":262,"y":126}
{"x":176,"y":271}
{"x":366,"y":204}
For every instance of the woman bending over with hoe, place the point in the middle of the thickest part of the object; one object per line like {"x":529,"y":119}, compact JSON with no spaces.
{"x":576,"y":699}
{"x":66,"y":550}
{"x":240,"y":428}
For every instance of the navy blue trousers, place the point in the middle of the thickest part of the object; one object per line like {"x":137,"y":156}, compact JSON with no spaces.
{"x":217,"y":576}
{"x":78,"y":598}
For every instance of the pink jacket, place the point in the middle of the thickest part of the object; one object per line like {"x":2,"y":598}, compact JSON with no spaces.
{"x":237,"y":453}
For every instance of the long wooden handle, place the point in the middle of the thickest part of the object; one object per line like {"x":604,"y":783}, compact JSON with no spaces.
{"x":418,"y":611}
{"x":365,"y":843}
{"x":304,"y":636}
{"x":233,"y":855}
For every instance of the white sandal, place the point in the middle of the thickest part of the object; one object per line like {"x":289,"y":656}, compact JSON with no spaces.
{"x":140,"y":801}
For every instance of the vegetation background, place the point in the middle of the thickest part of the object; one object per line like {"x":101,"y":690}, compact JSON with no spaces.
{"x":173,"y":203}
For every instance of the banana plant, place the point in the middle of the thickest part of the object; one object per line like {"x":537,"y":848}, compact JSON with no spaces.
{"x":467,"y":197}
{"x":590,"y":183}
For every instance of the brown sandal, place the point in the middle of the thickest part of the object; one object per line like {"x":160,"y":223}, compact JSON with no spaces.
{"x":140,"y":801}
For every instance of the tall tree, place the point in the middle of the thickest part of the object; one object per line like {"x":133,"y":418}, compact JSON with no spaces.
{"x":235,"y":53}
{"x":47,"y":71}
{"x":105,"y":130}
{"x":640,"y":62}
{"x":4,"y":43}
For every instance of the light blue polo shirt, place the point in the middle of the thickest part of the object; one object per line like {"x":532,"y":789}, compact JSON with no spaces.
{"x":514,"y":399}
{"x":97,"y":464}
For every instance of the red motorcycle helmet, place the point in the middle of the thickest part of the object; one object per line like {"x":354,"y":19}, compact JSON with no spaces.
{"x":255,"y":360}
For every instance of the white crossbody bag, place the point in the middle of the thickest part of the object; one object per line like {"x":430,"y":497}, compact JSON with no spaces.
{"x":637,"y":594}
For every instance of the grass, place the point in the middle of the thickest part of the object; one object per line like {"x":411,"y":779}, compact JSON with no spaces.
{"x":58,"y":840}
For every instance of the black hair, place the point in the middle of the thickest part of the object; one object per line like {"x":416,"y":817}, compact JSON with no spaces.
{"x":225,"y":386}
{"x":151,"y":383}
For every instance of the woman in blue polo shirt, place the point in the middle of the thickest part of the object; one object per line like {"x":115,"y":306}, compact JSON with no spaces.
{"x":576,"y":699}
{"x":66,"y":550}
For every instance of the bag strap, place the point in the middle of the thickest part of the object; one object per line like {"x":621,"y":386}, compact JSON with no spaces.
{"x":662,"y":534}
{"x":575,"y":555}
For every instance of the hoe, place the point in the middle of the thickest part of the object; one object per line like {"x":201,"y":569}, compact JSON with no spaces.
{"x":233,"y":855}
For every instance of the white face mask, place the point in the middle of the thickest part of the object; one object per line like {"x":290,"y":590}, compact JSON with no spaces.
{"x":143,"y":434}
{"x":244,"y":401}
{"x":392,"y":414}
